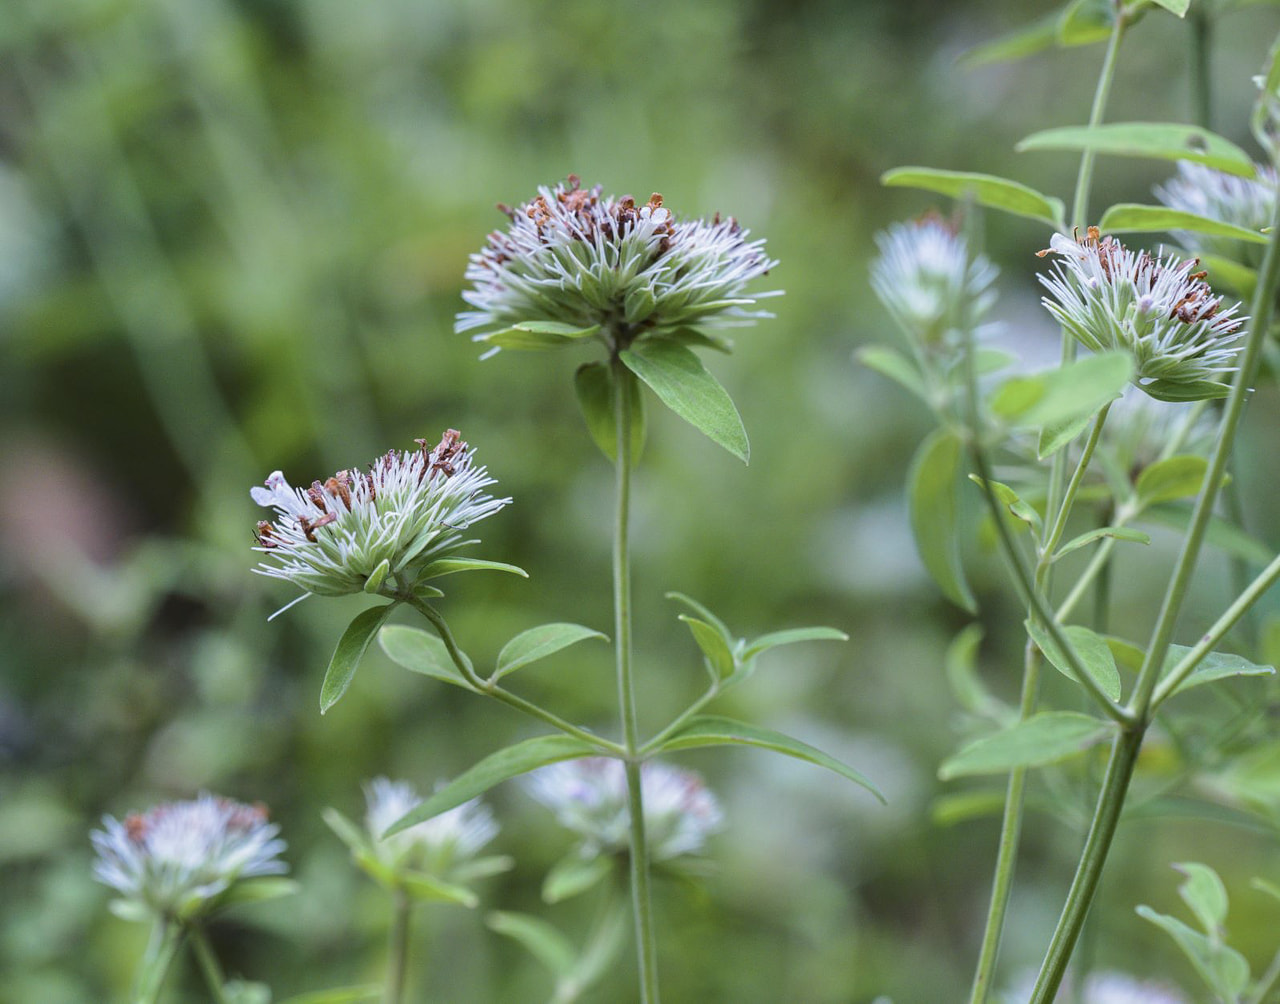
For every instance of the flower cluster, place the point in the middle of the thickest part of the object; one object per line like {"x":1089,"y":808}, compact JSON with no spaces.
{"x":1245,"y":202}
{"x":408,"y":509}
{"x":928,"y":281}
{"x":572,"y":256}
{"x":1157,"y":307}
{"x":177,"y":858}
{"x":589,"y":797}
{"x":433,"y":846}
{"x":1103,"y":987}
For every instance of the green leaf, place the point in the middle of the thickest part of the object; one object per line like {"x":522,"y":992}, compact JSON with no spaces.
{"x":447,"y":566}
{"x":1178,"y":7}
{"x":538,"y":643}
{"x":1163,"y":141}
{"x":1204,"y":892}
{"x":429,"y":889}
{"x":1262,"y":885}
{"x":573,"y":875}
{"x":478,"y":868}
{"x":1017,"y":44}
{"x":594,"y":386}
{"x":1126,"y":654}
{"x":790,"y":637}
{"x":351,"y":648}
{"x":1190,"y":390}
{"x":1223,"y":969}
{"x":719,"y":658}
{"x":1170,"y":479}
{"x":683,"y":384}
{"x":1215,"y":666}
{"x":422,"y":652}
{"x":693,"y":338}
{"x":1089,"y":536}
{"x":602,"y":949}
{"x":705,"y":615}
{"x":355,"y":837}
{"x":1065,"y":393}
{"x":962,"y":674}
{"x":537,"y":335}
{"x":1265,"y":106}
{"x":1091,"y":651}
{"x":542,"y":940}
{"x":1084,"y":22}
{"x":1225,"y":536}
{"x":1055,"y":435}
{"x":1131,"y":218}
{"x":1007,"y":496}
{"x":258,"y":890}
{"x":1227,"y":273}
{"x":339,"y":995}
{"x":935,"y":514}
{"x":985,"y":189}
{"x":1042,"y":739}
{"x":712,"y":730}
{"x":893,"y":364}
{"x":494,"y":769}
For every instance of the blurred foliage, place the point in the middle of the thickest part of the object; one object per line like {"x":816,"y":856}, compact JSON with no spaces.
{"x":233,"y":239}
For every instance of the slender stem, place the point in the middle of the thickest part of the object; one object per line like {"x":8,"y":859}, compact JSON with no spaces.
{"x":1084,"y":178}
{"x":1201,"y":90}
{"x":1266,"y":982}
{"x":208,"y":963}
{"x":397,"y":948}
{"x":1064,"y":509}
{"x":505,"y":696}
{"x":166,"y":938}
{"x":641,"y":900}
{"x":707,"y":697}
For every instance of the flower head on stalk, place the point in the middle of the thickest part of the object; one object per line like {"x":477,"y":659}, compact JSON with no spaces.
{"x":589,"y":797}
{"x":357,"y":528}
{"x":1245,"y":202}
{"x":1139,"y":430}
{"x":930,"y":283}
{"x":578,"y":263}
{"x":1157,"y":307}
{"x":179,"y":859}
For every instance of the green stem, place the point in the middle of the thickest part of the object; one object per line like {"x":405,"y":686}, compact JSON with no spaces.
{"x":1084,"y":178}
{"x":505,"y":696}
{"x":397,"y":948}
{"x":166,"y":938}
{"x":641,"y":900}
{"x":208,"y":963}
{"x":1266,"y":982}
{"x":707,"y":697}
{"x":1201,"y":92}
{"x":1054,"y":537}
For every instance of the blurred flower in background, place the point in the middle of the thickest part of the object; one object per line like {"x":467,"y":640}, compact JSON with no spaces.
{"x":1245,"y":202}
{"x":1103,"y":987}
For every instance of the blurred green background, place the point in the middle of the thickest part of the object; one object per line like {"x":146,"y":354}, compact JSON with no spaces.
{"x":232,"y":237}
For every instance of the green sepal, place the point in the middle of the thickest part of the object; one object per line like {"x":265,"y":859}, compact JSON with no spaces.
{"x":350,"y":650}
{"x":1186,"y":390}
{"x":536,"y":336}
{"x":373,"y":583}
{"x":1039,"y":740}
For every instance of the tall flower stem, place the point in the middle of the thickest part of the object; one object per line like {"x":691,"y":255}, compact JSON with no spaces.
{"x":397,"y":948}
{"x":208,"y":963}
{"x":166,"y":937}
{"x":1124,"y":752}
{"x":641,"y":899}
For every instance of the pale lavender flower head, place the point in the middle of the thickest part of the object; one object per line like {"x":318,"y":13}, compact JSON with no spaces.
{"x":1159,"y":308}
{"x":1139,"y":429}
{"x":434,"y":845}
{"x":589,"y":797}
{"x":1245,"y":202}
{"x":1104,"y":987}
{"x":574,"y":257}
{"x":928,"y":281}
{"x":357,"y":528}
{"x":177,"y":858}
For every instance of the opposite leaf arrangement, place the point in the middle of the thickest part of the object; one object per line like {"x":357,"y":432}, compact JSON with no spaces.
{"x":1122,"y":435}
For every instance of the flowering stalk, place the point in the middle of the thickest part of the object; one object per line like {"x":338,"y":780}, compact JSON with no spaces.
{"x":166,"y":939}
{"x":397,"y":948}
{"x":208,"y":963}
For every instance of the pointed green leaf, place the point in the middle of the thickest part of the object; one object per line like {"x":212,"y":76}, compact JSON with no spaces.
{"x":478,"y":868}
{"x":593,"y":385}
{"x":1164,"y":141}
{"x":1089,"y":536}
{"x":375,"y":579}
{"x":683,"y":384}
{"x":1042,"y":739}
{"x":1018,"y":44}
{"x":603,"y":947}
{"x":542,"y":940}
{"x":494,"y":769}
{"x":893,"y":364}
{"x":790,"y":637}
{"x":962,"y":674}
{"x":1170,"y":479}
{"x":574,"y":874}
{"x":538,"y":643}
{"x":1084,"y":22}
{"x":1214,"y":666}
{"x":1204,"y":892}
{"x":1191,"y":390}
{"x":704,"y":614}
{"x":1131,"y":218}
{"x":1055,"y":435}
{"x":1262,"y":885}
{"x":712,"y":730}
{"x":935,"y":514}
{"x":1066,"y":393}
{"x":719,"y":657}
{"x":355,"y":837}
{"x":1007,"y":496}
{"x":422,"y":652}
{"x":985,"y":189}
{"x":1178,"y":7}
{"x":429,"y":889}
{"x":447,"y":566}
{"x":1223,"y":969}
{"x":351,"y":648}
{"x":639,"y":304}
{"x":339,"y":995}
{"x":1091,"y":651}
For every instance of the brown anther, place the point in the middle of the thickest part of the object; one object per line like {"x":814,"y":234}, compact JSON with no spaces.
{"x":655,"y":200}
{"x":506,"y":210}
{"x":339,"y":485}
{"x":135,"y":826}
{"x":266,"y":534}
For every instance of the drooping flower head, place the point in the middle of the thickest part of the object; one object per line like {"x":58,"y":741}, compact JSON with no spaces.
{"x":589,"y":797}
{"x":407,"y":510}
{"x":574,"y":257}
{"x":1157,"y":307}
{"x":1244,"y":202}
{"x":177,"y":858}
{"x":435,"y":845}
{"x":928,"y":281}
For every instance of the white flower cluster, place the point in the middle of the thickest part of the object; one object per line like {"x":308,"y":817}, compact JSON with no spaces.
{"x":434,"y":845}
{"x":929,"y":283}
{"x":1157,"y":307}
{"x":407,"y":510}
{"x":575,"y":257}
{"x":177,"y":857}
{"x":589,"y":797}
{"x":1245,"y":202}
